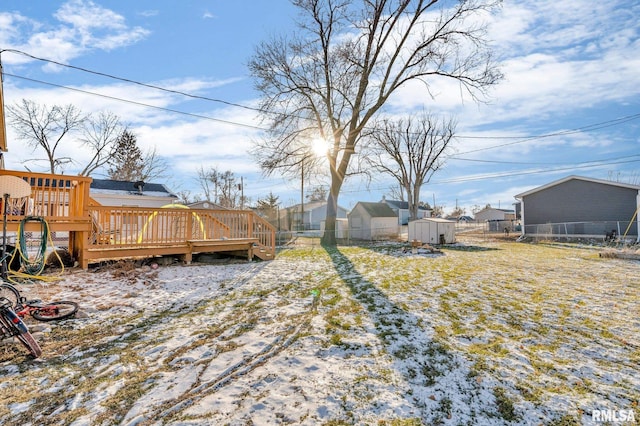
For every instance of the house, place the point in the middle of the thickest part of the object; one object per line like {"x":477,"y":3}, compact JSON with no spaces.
{"x":491,"y":214}
{"x":433,"y":230}
{"x":401,"y":208}
{"x":372,"y":221}
{"x":207,"y":205}
{"x":577,"y":205}
{"x":117,"y":193}
{"x":312,"y":213}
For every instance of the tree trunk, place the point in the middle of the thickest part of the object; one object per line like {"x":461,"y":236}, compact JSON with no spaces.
{"x":414,"y":202}
{"x":329,"y":235}
{"x":337,"y":178}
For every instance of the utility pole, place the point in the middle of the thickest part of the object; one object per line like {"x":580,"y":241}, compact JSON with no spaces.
{"x":302,"y":195}
{"x":3,"y":131}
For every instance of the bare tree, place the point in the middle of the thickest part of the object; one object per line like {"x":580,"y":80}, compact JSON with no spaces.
{"x":101,"y":134}
{"x":350,"y":56}
{"x":410,"y":150}
{"x":45,"y":127}
{"x":396,"y":193}
{"x":220,"y":187}
{"x":185,"y":197}
{"x":318,"y":193}
{"x":154,"y":166}
{"x":208,"y":180}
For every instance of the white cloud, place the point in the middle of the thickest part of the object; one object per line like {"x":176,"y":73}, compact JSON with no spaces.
{"x":81,"y":26}
{"x":149,"y":13}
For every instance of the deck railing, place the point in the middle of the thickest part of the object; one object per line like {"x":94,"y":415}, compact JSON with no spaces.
{"x":54,"y":197}
{"x":140,"y":226}
{"x":64,"y":202}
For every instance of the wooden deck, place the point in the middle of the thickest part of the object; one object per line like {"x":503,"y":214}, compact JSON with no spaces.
{"x":98,"y":233}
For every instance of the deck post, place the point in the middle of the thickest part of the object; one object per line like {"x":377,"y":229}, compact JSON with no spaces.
{"x":250,"y":225}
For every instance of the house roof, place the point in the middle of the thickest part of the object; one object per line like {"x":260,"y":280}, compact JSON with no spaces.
{"x":574,"y":177}
{"x":402,"y":205}
{"x":377,"y":209}
{"x":311,"y":205}
{"x":499,"y":210}
{"x":105,"y":186}
{"x":206,"y":204}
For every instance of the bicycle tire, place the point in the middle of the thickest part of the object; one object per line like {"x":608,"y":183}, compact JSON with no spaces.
{"x":30,"y":343}
{"x":10,"y":293}
{"x":55,"y":311}
{"x":24,"y":337}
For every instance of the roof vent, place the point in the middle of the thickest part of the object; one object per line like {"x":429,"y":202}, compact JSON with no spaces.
{"x":139,"y":185}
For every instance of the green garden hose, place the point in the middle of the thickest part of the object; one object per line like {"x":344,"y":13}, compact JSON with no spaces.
{"x":36,"y":265}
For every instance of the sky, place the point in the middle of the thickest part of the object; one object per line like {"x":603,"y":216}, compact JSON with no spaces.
{"x":569,"y":103}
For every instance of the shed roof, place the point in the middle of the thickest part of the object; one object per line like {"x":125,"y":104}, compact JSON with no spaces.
{"x":435,"y":219}
{"x":574,"y":177}
{"x":377,"y":209}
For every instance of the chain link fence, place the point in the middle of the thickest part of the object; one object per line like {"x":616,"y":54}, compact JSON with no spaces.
{"x":620,"y":231}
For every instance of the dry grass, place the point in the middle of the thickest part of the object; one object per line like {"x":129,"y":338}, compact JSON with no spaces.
{"x":544,"y":333}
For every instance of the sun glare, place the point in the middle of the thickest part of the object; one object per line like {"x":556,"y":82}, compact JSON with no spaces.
{"x":320,"y":147}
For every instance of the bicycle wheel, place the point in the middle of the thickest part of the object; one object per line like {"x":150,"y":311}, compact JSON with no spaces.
{"x":18,"y":329}
{"x":30,"y":343}
{"x":10,"y":293}
{"x":56,"y":311}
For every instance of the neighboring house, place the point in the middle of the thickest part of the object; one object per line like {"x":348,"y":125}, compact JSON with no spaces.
{"x":401,"y":208}
{"x":583,"y":206}
{"x":432,"y":230}
{"x":207,"y":205}
{"x":372,"y":221}
{"x":315,"y":212}
{"x":490,"y":214}
{"x":117,"y":193}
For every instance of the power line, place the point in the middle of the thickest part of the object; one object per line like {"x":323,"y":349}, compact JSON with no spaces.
{"x":506,"y":174}
{"x":521,"y":139}
{"x":529,"y":172}
{"x":234,"y":123}
{"x":589,"y":127}
{"x":546,"y":163}
{"x":127,"y":80}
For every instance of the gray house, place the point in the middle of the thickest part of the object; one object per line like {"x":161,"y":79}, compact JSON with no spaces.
{"x":492,"y":214}
{"x":307,"y":217}
{"x":372,"y":221}
{"x":401,"y":208}
{"x":581,"y":206}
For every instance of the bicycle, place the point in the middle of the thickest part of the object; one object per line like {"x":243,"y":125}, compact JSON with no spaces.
{"x":39,"y":310}
{"x":12,"y":326}
{"x":51,"y":311}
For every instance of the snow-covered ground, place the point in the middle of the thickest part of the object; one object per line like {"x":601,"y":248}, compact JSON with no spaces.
{"x":481,"y":334}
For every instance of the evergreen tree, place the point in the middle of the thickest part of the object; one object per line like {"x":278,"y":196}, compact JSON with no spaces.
{"x":127,"y":162}
{"x":268,"y":208}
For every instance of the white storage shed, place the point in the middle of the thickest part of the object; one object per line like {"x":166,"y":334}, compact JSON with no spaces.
{"x":342,"y":228}
{"x":432,"y":230}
